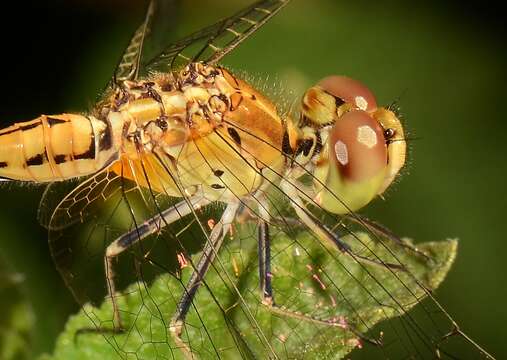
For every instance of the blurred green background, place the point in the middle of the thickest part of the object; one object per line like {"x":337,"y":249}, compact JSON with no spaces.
{"x":444,"y":63}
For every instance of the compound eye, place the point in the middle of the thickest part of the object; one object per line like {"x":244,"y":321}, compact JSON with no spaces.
{"x":349,"y":91}
{"x":357,"y":147}
{"x":323,"y":102}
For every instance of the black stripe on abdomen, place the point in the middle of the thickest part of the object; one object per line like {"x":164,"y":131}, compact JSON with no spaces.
{"x":106,"y":137}
{"x":35,"y":160}
{"x":90,"y":153}
{"x":21,"y":128}
{"x":61,"y":158}
{"x":28,"y":127}
{"x":55,"y":121}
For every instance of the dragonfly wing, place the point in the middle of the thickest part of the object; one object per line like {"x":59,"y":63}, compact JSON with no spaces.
{"x":213,"y":42}
{"x":83,"y":222}
{"x":60,"y":208}
{"x":128,"y":66}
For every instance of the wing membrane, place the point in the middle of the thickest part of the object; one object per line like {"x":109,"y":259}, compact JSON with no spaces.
{"x":60,"y":208}
{"x":212,"y":43}
{"x":128,"y":66}
{"x":84,"y":221}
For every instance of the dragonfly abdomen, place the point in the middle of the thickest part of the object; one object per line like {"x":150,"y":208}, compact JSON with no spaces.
{"x":56,"y":147}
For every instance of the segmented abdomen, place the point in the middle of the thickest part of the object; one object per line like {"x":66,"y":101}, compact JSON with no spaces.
{"x":56,"y":147}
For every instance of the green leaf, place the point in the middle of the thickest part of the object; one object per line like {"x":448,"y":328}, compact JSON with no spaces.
{"x":228,"y":320}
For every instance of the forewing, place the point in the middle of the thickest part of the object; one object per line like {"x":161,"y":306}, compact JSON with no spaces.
{"x":212,"y":43}
{"x":128,"y":66}
{"x":160,"y":17}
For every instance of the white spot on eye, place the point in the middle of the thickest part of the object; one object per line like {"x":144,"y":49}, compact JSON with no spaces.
{"x":342,"y":155}
{"x":361,"y":102}
{"x":366,"y":136}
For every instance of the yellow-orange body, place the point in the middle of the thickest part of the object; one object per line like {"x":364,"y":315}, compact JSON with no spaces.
{"x":201,"y":130}
{"x":56,"y":147}
{"x":217,"y":136}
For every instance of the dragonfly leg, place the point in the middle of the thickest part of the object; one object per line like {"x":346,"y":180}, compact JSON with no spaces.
{"x":142,"y":231}
{"x":383,"y":231}
{"x":323,"y":233}
{"x":268,"y":299}
{"x":264,"y":262}
{"x":210,"y":251}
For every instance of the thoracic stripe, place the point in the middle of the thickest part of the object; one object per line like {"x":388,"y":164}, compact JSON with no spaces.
{"x":3,"y":164}
{"x":286,"y":148}
{"x":234,"y":135}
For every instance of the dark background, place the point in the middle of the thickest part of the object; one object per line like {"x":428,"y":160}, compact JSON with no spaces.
{"x":446,"y":63}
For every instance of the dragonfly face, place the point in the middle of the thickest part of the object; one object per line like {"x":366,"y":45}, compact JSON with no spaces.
{"x":364,"y":146}
{"x":177,"y":133}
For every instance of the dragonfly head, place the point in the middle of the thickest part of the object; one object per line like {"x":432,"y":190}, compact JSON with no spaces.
{"x":363,"y":145}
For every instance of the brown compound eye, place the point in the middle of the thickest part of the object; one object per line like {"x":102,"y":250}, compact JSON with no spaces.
{"x":357,"y":146}
{"x":356,"y":166}
{"x":364,"y":150}
{"x":349,"y":91}
{"x":322,"y":102}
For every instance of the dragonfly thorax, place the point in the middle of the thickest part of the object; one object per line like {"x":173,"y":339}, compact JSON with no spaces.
{"x":170,"y":109}
{"x":205,"y":119}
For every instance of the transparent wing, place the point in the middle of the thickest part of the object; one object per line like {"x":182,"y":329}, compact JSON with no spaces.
{"x":128,"y":67}
{"x":209,"y":45}
{"x":65,"y":203}
{"x":328,"y":302}
{"x":84,"y":218}
{"x":161,"y":12}
{"x":212,"y":43}
{"x":129,"y":64}
{"x":73,"y":212}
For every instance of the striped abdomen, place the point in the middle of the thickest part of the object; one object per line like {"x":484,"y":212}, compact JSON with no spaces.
{"x":57,"y":147}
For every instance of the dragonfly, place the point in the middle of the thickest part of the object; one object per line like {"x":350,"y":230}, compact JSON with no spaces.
{"x":176,"y":138}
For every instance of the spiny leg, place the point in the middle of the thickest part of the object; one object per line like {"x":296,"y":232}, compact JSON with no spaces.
{"x":210,"y":251}
{"x":324,"y":233}
{"x":265,"y":262}
{"x":142,"y":231}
